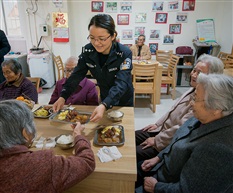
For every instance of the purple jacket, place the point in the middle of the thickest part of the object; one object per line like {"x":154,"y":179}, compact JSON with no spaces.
{"x":41,"y":171}
{"x":22,"y":86}
{"x":85,"y":94}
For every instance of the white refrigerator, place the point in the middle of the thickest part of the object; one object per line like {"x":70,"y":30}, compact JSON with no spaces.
{"x":41,"y":65}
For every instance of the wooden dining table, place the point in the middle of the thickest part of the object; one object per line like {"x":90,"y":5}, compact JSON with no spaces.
{"x":228,"y":71}
{"x":158,"y":77}
{"x":115,"y":176}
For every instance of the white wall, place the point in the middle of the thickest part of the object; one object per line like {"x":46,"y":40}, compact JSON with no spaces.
{"x":79,"y":13}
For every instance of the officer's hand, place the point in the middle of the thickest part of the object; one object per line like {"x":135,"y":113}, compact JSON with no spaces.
{"x":58,"y":104}
{"x":98,"y":113}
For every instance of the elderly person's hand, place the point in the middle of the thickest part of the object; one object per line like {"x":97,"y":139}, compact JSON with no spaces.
{"x":98,"y":113}
{"x":150,"y":127}
{"x":149,"y":184}
{"x":147,"y":165}
{"x":78,"y":128}
{"x":148,"y":142}
{"x":58,"y":104}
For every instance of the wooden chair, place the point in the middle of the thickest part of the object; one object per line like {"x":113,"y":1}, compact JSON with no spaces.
{"x":144,"y":81}
{"x":170,"y":77}
{"x":163,"y":57}
{"x":35,"y":81}
{"x":60,"y":68}
{"x":228,"y":62}
{"x":222,"y":56}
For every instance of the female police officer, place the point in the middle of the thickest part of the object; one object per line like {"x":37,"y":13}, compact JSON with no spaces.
{"x":109,"y":62}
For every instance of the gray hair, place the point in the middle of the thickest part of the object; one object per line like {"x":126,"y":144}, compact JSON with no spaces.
{"x":14,"y":117}
{"x":72,"y":59}
{"x":14,"y":65}
{"x":215,"y":65}
{"x":218,"y":92}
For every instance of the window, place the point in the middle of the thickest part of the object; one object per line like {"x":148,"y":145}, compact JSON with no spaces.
{"x":9,"y":18}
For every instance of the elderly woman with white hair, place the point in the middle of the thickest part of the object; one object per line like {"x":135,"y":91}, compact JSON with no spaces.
{"x":199,"y":158}
{"x":23,"y":170}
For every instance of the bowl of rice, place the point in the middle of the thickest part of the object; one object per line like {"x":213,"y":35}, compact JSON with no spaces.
{"x":115,"y":115}
{"x":65,"y":141}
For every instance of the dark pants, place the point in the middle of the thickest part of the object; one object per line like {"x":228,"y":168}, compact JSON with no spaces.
{"x":144,"y":154}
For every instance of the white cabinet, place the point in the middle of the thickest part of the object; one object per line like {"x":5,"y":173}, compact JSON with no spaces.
{"x":41,"y":65}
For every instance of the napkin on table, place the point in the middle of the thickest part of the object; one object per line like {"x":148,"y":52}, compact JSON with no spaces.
{"x":50,"y":142}
{"x":107,"y":154}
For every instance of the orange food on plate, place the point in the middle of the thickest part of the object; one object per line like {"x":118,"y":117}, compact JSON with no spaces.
{"x":20,"y":98}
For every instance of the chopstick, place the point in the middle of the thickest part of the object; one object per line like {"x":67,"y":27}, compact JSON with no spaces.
{"x":27,"y":97}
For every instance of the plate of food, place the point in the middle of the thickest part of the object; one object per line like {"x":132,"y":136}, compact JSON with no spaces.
{"x":110,"y":135}
{"x":27,"y":101}
{"x":71,"y":116}
{"x":43,"y":112}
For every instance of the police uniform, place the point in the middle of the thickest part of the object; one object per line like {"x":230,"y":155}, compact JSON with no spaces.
{"x":114,"y":77}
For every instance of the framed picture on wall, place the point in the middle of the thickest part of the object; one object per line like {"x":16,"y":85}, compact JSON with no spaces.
{"x":168,"y":39}
{"x":128,"y":45}
{"x":174,"y":28}
{"x":157,"y":6}
{"x":97,"y":6}
{"x":154,"y":34}
{"x":161,"y":18}
{"x":123,"y":19}
{"x":127,"y":34}
{"x":173,"y":6}
{"x":139,"y":31}
{"x":153,"y":47}
{"x":111,"y":7}
{"x":188,"y":5}
{"x":126,"y":7}
{"x":118,"y":39}
{"x":140,"y":18}
{"x":182,"y":17}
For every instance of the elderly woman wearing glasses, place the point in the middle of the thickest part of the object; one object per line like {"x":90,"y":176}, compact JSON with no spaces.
{"x":84,"y":94}
{"x":23,"y":170}
{"x":199,"y":158}
{"x":109,"y":62}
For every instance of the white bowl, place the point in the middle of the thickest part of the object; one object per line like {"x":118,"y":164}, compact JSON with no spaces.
{"x":115,"y":115}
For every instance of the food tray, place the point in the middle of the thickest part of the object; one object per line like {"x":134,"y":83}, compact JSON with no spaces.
{"x":98,"y":133}
{"x":43,"y":117}
{"x":55,"y":116}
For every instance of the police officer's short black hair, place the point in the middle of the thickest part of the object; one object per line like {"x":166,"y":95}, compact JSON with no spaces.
{"x":103,"y":21}
{"x":14,"y":65}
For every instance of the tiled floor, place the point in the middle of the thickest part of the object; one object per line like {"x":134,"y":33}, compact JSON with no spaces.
{"x":142,"y":112}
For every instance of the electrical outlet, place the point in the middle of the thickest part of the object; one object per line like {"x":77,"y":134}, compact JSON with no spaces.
{"x":44,"y":30}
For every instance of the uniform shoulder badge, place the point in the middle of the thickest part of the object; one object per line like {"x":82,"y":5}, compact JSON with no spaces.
{"x":126,"y":64}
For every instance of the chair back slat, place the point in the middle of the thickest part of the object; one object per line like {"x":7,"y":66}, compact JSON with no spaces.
{"x":59,"y":65}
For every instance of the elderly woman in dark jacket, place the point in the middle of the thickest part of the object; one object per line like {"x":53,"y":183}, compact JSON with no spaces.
{"x":199,"y":158}
{"x":16,"y":84}
{"x":23,"y":170}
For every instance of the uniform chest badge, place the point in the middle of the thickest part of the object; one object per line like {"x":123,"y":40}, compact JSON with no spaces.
{"x":90,"y":65}
{"x":126,"y":64}
{"x":112,"y":69}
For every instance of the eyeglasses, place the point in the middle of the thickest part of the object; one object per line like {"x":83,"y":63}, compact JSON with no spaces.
{"x":100,"y":40}
{"x":68,"y":71}
{"x":193,"y":99}
{"x":140,"y":40}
